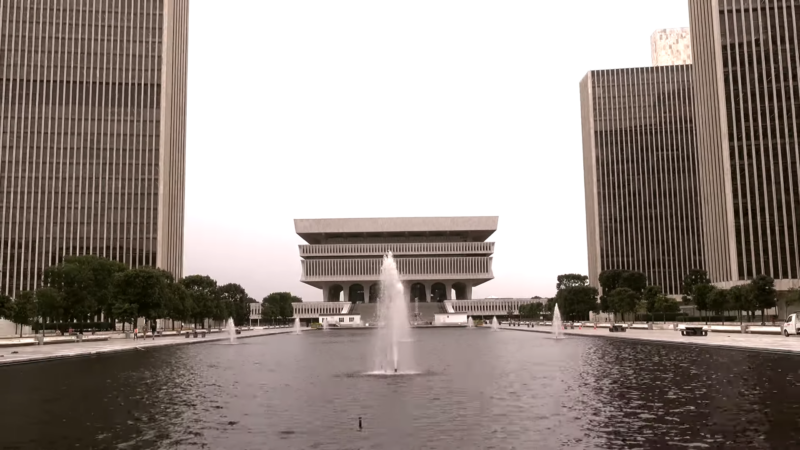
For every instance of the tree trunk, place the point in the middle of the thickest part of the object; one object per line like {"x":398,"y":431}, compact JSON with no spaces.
{"x":762,"y":317}
{"x":20,"y":331}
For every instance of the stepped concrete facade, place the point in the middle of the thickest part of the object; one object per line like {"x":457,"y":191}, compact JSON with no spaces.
{"x":439,"y":258}
{"x":93,"y":120}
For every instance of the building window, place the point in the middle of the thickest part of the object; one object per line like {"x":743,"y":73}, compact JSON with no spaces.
{"x":341,"y":319}
{"x":352,"y":319}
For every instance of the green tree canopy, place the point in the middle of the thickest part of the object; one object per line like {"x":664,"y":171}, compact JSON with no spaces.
{"x":531,"y":310}
{"x":571,"y":280}
{"x":145,"y":287}
{"x":282,"y":303}
{"x":85,"y":283}
{"x":624,"y":300}
{"x":577,"y":301}
{"x":238,"y":302}
{"x":718,"y":301}
{"x":6,"y":307}
{"x":51,"y":304}
{"x":25,"y":309}
{"x":666,"y":305}
{"x":763,"y":292}
{"x":203,"y":295}
{"x":650,"y":297}
{"x":701,"y":294}
{"x":694,"y":278}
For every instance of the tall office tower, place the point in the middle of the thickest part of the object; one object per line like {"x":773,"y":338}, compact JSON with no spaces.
{"x":640,"y":173}
{"x":671,"y":46}
{"x":93,"y":120}
{"x":747,"y":92}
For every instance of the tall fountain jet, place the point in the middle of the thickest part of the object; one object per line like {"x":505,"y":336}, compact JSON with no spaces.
{"x":296,"y":325}
{"x":558,"y":332}
{"x":231,"y":330}
{"x":495,"y":324}
{"x":393,"y":321}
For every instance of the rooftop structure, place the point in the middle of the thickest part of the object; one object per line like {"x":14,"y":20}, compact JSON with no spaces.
{"x":671,"y":46}
{"x":439,"y":258}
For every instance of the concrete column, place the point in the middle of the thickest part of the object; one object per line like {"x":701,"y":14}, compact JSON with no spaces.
{"x":428,"y":287}
{"x":346,"y":291}
{"x":447,"y":289}
{"x":469,"y":292}
{"x":326,"y":289}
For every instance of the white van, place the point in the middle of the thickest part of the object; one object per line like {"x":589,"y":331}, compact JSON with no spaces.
{"x":791,"y":326}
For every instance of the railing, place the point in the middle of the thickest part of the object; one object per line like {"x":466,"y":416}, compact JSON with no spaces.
{"x":307,"y":310}
{"x":488,"y":306}
{"x":429,"y":248}
{"x":409,"y":268}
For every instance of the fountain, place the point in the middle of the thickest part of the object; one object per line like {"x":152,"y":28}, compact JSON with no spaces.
{"x":470,"y":323}
{"x":324,"y":325}
{"x":393,"y":321}
{"x":231,"y":330}
{"x":557,"y":327}
{"x":495,"y":325}
{"x":296,"y":325}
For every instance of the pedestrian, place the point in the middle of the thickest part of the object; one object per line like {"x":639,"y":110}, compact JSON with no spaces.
{"x":135,"y":333}
{"x":153,"y":328}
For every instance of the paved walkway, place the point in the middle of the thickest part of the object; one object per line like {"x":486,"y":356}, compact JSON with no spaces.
{"x":28,"y":354}
{"x":725,"y":339}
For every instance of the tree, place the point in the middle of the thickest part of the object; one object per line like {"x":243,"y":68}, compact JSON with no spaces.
{"x":203,"y":295}
{"x":51,"y":304}
{"x":577,"y":301}
{"x":25,"y":309}
{"x":666,"y":305}
{"x":635,"y":281}
{"x":145,"y":287}
{"x":282,"y":303}
{"x":127,"y":313}
{"x":268,"y":313}
{"x":571,"y":280}
{"x":694,"y":278}
{"x":550,"y":305}
{"x":85,"y":284}
{"x":650,"y":297}
{"x":238,"y":302}
{"x":737,"y":299}
{"x":700,"y":296}
{"x":6,"y":307}
{"x":623,"y":300}
{"x":531,"y":310}
{"x":718,"y":302}
{"x":764,"y":294}
{"x":611,"y":280}
{"x":178,"y":305}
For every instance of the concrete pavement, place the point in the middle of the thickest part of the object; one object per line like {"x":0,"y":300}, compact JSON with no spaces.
{"x":29,"y":354}
{"x":725,"y":339}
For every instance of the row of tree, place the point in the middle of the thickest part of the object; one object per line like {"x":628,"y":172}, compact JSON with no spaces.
{"x":627,"y":292}
{"x":82,"y":289}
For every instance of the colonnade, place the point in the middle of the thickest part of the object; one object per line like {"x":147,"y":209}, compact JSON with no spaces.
{"x":422,"y":291}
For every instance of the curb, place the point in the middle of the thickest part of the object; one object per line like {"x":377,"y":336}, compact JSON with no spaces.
{"x":661,"y":341}
{"x":127,"y":349}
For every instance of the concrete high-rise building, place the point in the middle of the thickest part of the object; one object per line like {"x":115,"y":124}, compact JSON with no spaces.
{"x":640,"y":170}
{"x":93,"y":120}
{"x":671,"y":46}
{"x":746,"y":65}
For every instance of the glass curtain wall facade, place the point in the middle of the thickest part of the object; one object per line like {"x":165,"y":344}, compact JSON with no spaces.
{"x":92,"y":120}
{"x":640,"y":171}
{"x":747,"y":60}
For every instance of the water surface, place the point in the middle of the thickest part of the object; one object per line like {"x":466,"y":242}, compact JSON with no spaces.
{"x":476,"y":389}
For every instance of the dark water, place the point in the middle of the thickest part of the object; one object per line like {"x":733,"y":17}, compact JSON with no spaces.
{"x":479,"y":389}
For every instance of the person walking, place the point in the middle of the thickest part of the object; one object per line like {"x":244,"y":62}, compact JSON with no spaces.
{"x":153,"y":329}
{"x":135,"y":333}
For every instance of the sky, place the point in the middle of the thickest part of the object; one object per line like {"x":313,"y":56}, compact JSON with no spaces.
{"x":334,"y":109}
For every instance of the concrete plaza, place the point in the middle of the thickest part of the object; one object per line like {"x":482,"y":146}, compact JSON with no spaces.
{"x":722,"y":339}
{"x":28,"y":354}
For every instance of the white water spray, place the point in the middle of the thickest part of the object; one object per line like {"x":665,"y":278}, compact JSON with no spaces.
{"x":231,"y":330}
{"x":324,"y":325}
{"x":495,"y":324}
{"x":296,"y":325}
{"x":470,"y":323}
{"x":392,"y":322}
{"x":558,"y":331}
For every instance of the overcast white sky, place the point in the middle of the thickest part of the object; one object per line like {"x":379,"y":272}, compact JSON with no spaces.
{"x":328,"y":109}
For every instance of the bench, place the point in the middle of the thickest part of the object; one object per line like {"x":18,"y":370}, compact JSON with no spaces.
{"x":616,"y":328}
{"x":694,"y":331}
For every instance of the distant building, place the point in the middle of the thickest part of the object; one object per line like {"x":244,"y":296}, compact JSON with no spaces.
{"x":439,"y":258}
{"x":747,"y":91}
{"x":640,"y":173}
{"x":671,"y":47}
{"x":93,"y":120}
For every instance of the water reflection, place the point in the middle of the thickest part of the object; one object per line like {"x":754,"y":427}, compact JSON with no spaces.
{"x":478,"y":390}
